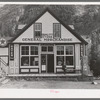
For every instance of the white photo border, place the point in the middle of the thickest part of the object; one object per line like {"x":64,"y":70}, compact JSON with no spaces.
{"x":50,"y":93}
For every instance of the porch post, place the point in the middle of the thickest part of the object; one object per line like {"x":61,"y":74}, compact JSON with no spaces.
{"x":39,"y":50}
{"x":54,"y":58}
{"x":82,"y":66}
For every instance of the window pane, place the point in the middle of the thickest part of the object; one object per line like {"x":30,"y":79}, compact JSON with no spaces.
{"x":60,"y":60}
{"x":43,"y":60}
{"x":25,"y":61}
{"x":36,"y":53}
{"x":25,"y":50}
{"x":69,"y":50}
{"x":60,"y":50}
{"x":27,"y":47}
{"x":34,"y":50}
{"x":44,"y":48}
{"x":37,"y":33}
{"x":50,"y":48}
{"x":69,"y":60}
{"x":33,"y":61}
{"x":37,"y":26}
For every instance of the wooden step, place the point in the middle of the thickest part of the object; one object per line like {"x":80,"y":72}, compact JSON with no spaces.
{"x":57,"y":77}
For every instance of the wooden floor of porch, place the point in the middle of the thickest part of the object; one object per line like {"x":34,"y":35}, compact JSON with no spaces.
{"x":68,"y":77}
{"x":43,"y":75}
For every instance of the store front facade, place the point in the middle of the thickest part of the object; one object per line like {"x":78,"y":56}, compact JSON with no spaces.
{"x":47,"y":58}
{"x":44,"y":45}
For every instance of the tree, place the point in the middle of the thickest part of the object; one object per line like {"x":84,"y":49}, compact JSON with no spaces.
{"x":95,"y":55}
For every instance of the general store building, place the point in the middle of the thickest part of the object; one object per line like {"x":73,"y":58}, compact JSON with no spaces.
{"x":43,"y":45}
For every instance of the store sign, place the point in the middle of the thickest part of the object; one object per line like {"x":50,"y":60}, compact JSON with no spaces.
{"x":47,"y":37}
{"x":11,"y":51}
{"x":82,"y":50}
{"x":3,"y":42}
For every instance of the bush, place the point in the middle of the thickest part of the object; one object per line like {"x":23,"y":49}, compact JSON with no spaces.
{"x":95,"y":66}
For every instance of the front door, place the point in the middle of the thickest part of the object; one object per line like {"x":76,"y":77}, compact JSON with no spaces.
{"x":47,"y":63}
{"x":50,"y":63}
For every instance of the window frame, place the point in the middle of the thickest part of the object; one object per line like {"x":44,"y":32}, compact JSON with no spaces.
{"x":61,"y":51}
{"x":54,"y":30}
{"x":29,"y":55}
{"x":47,"y":49}
{"x":73,"y":55}
{"x":37,"y":30}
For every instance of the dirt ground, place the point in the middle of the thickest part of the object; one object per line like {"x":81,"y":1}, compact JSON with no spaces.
{"x":48,"y":84}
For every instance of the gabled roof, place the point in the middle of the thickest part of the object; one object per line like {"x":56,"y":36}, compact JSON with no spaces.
{"x":48,"y":10}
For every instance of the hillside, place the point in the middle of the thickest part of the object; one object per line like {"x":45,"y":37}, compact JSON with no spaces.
{"x":85,"y":18}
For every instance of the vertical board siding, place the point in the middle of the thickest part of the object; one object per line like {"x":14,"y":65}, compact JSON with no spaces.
{"x":77,"y":56}
{"x":54,"y":58}
{"x":14,"y":64}
{"x":16,"y":58}
{"x":66,"y":34}
{"x":39,"y":53}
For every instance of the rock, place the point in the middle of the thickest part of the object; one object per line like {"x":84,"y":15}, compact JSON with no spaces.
{"x":95,"y":83}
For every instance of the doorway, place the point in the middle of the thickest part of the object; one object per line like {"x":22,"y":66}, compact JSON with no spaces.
{"x":50,"y":63}
{"x":47,"y":63}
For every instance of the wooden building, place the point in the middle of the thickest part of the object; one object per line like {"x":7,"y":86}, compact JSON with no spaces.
{"x":43,"y":45}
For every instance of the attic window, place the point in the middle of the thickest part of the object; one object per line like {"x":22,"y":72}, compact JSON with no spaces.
{"x":37,"y":30}
{"x":57,"y":30}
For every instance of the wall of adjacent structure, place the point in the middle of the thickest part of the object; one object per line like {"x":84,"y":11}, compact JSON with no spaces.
{"x":14,"y":64}
{"x":3,"y":58}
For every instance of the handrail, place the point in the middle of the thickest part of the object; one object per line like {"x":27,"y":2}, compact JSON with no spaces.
{"x":4,"y":62}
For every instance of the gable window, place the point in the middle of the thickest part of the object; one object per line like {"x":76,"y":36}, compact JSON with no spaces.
{"x":57,"y":30}
{"x":37,"y":30}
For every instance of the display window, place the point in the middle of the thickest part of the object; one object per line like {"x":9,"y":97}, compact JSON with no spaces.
{"x":29,"y":56}
{"x":65,"y":54}
{"x":60,"y":60}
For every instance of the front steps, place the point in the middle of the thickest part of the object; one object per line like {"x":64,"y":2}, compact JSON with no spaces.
{"x":56,"y":77}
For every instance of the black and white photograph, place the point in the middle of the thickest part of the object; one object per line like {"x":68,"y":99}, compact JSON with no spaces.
{"x":49,"y":46}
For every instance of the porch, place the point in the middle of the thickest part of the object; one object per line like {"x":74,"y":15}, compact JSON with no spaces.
{"x":57,"y":77}
{"x":44,"y":75}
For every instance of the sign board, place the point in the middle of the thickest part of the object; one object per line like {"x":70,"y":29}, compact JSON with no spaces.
{"x":47,"y":37}
{"x":82,"y":51}
{"x":11,"y":51}
{"x":3,"y":42}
